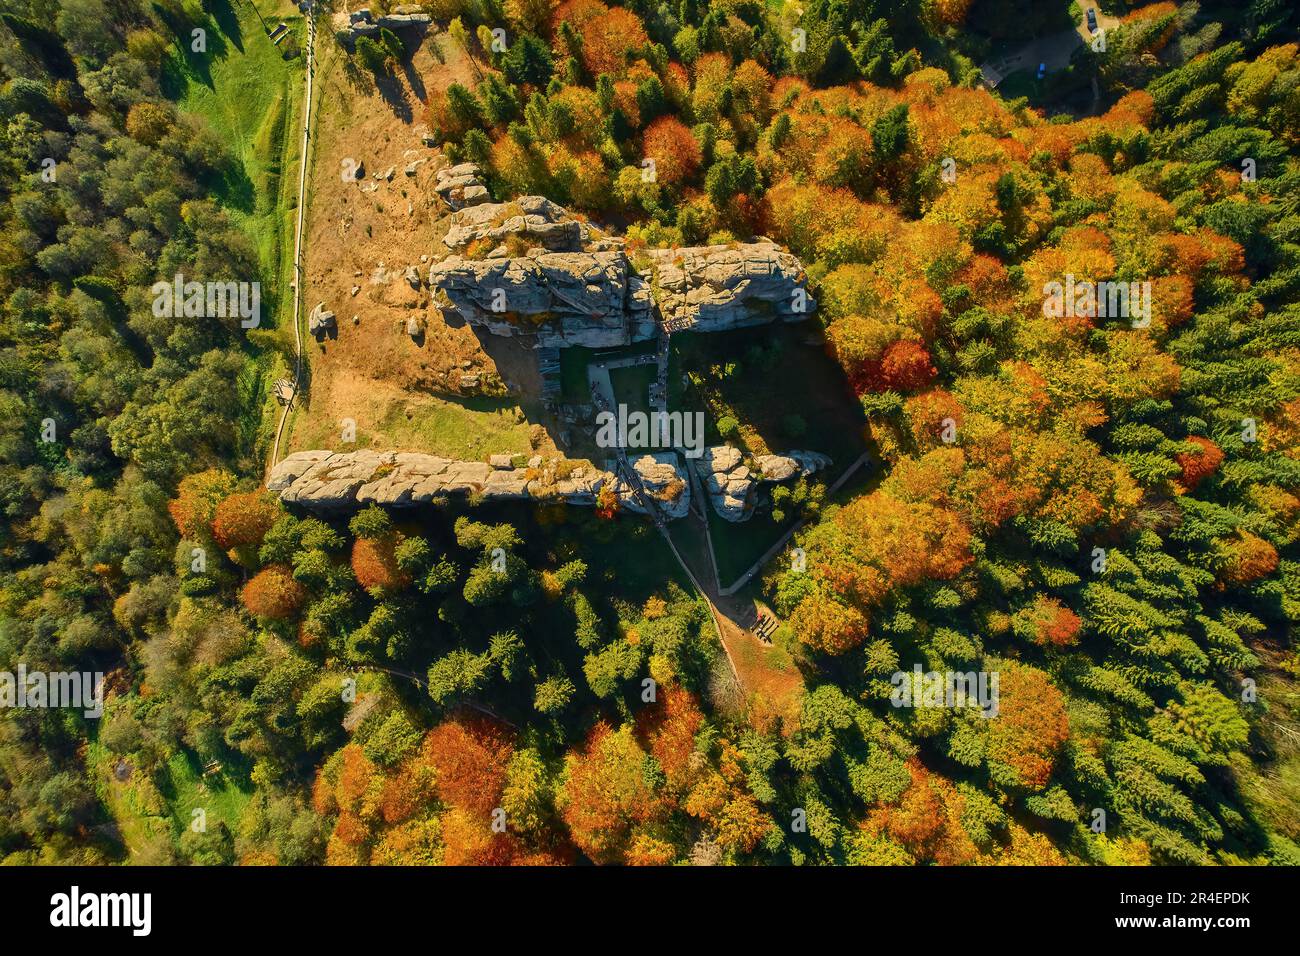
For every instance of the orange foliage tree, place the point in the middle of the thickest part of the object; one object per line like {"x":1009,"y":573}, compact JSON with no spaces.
{"x":197,"y":497}
{"x":273,"y":593}
{"x":374,"y":562}
{"x":606,"y":793}
{"x":609,"y":39}
{"x":242,"y":520}
{"x":1030,"y":727}
{"x":927,"y":820}
{"x":469,"y":755}
{"x":1200,"y":464}
{"x":1049,"y":622}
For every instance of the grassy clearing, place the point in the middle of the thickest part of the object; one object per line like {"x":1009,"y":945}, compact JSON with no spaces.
{"x":765,"y":378}
{"x":632,"y":386}
{"x":138,"y":811}
{"x":250,"y":96}
{"x":470,"y":428}
{"x":186,"y":789}
{"x":149,"y":816}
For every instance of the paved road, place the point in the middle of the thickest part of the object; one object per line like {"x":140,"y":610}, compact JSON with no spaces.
{"x":1055,"y":49}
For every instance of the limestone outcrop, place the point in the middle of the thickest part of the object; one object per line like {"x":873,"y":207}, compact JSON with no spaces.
{"x":321,"y":321}
{"x":329,"y":480}
{"x":731,"y":484}
{"x":527,"y":267}
{"x":728,"y":482}
{"x":460,"y":186}
{"x":567,"y":298}
{"x":534,"y":220}
{"x":712,"y":288}
{"x":361,"y":23}
{"x":784,"y":467}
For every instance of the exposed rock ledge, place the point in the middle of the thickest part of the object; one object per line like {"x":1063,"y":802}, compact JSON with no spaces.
{"x":528,"y":267}
{"x":730,"y":483}
{"x":329,"y":480}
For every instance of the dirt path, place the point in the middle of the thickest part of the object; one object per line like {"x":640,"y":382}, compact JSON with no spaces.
{"x":297,"y":232}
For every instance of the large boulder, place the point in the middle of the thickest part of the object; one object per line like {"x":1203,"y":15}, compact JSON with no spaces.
{"x":811,"y":462}
{"x":460,"y":186}
{"x":321,"y":321}
{"x":776,"y":467}
{"x":711,"y":288}
{"x":575,"y":286}
{"x":727,"y":481}
{"x":568,"y":298}
{"x":532,"y":219}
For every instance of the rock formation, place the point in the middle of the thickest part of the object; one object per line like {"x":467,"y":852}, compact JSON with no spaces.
{"x":731,"y":484}
{"x":459,"y":186}
{"x":360,"y":23}
{"x":328,"y":480}
{"x":321,"y":321}
{"x":528,"y":267}
{"x":712,"y":288}
{"x":567,"y":298}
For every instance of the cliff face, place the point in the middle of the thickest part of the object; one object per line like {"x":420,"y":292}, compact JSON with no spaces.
{"x":527,"y":266}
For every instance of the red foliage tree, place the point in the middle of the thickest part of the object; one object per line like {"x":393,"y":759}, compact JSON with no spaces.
{"x":374,"y":562}
{"x":1200,"y":464}
{"x":1051,"y":623}
{"x":469,"y":755}
{"x":905,"y":366}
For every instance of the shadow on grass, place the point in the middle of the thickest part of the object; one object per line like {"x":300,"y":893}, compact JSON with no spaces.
{"x":228,"y":21}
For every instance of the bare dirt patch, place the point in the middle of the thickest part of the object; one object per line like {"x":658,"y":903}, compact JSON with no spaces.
{"x":406,"y":376}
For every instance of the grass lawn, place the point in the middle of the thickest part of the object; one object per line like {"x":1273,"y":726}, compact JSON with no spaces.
{"x":573,"y":367}
{"x":139,"y":824}
{"x":146,"y":816}
{"x":251,"y":98}
{"x":765,"y":378}
{"x":1021,"y":83}
{"x":737,"y":545}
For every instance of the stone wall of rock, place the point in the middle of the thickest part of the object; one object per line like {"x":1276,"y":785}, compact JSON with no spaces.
{"x":713,"y":288}
{"x":545,"y":273}
{"x":340,"y":481}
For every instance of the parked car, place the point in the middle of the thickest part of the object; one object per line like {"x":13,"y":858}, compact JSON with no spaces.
{"x":1042,"y":70}
{"x":1092,"y":20}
